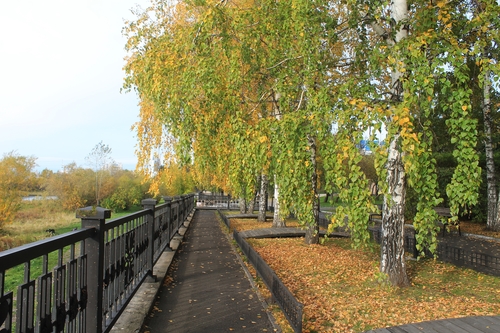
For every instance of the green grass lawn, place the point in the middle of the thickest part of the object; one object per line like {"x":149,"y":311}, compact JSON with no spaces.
{"x":31,"y":227}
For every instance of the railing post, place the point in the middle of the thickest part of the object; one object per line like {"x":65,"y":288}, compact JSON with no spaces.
{"x":177,"y":209}
{"x":174,"y":221}
{"x":181,"y":206}
{"x":186,"y":206}
{"x":94,"y":217}
{"x":229,"y":202}
{"x":168,"y":200}
{"x":150,"y":220}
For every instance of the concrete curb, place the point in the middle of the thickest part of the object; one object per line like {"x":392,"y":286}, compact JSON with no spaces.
{"x":132,"y":318}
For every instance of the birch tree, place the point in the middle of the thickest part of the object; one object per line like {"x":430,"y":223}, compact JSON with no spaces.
{"x":419,"y":48}
{"x":392,"y":260}
{"x":217,"y":96}
{"x":273,"y":87}
{"x":263,"y":197}
{"x":483,"y":31}
{"x":100,"y":160}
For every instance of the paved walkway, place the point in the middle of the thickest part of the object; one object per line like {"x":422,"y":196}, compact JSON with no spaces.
{"x":207,"y":289}
{"x":480,"y":324}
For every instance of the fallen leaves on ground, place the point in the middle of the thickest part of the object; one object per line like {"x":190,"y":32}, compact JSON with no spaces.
{"x":478,"y":229}
{"x":252,"y":224}
{"x":341,"y":291}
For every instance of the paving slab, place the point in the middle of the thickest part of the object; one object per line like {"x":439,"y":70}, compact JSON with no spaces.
{"x":206,"y":288}
{"x":475,"y":324}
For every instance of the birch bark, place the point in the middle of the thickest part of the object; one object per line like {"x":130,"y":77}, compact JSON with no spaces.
{"x":263,"y":199}
{"x":493,"y":218}
{"x":392,"y":261}
{"x":278,"y":222}
{"x":243,"y":205}
{"x":312,"y":231}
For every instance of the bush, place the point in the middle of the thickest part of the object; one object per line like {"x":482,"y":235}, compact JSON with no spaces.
{"x":130,"y":192}
{"x":16,"y":178}
{"x":117,"y":202}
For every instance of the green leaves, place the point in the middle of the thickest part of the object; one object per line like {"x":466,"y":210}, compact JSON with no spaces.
{"x":16,"y":178}
{"x":240,"y":88}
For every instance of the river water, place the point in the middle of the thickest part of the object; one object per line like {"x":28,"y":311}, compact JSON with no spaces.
{"x":40,"y":197}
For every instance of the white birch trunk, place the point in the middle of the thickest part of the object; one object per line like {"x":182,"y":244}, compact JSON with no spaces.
{"x":492,"y":221}
{"x":392,"y":261}
{"x":497,"y":223}
{"x":263,"y":199}
{"x":312,"y":231}
{"x":243,"y":205}
{"x":278,"y":222}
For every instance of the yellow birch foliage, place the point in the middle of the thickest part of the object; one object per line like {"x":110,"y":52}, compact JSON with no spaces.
{"x":16,"y":178}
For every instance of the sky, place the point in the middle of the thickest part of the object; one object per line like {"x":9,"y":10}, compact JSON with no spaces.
{"x":61,"y":70}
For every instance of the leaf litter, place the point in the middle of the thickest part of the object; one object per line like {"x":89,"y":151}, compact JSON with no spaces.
{"x":342,"y":292}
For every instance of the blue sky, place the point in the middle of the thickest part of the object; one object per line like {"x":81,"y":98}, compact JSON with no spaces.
{"x":60,"y":77}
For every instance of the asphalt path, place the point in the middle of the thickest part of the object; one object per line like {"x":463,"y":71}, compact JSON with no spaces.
{"x":206,"y":288}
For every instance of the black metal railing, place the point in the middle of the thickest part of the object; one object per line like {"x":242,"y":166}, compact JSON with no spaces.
{"x":81,"y":281}
{"x":217,"y":201}
{"x":286,"y":300}
{"x":481,"y":262}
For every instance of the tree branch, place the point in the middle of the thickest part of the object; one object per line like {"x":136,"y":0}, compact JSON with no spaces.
{"x":283,"y":61}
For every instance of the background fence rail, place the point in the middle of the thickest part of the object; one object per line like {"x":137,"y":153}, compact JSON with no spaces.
{"x":463,"y":257}
{"x":219,"y":201}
